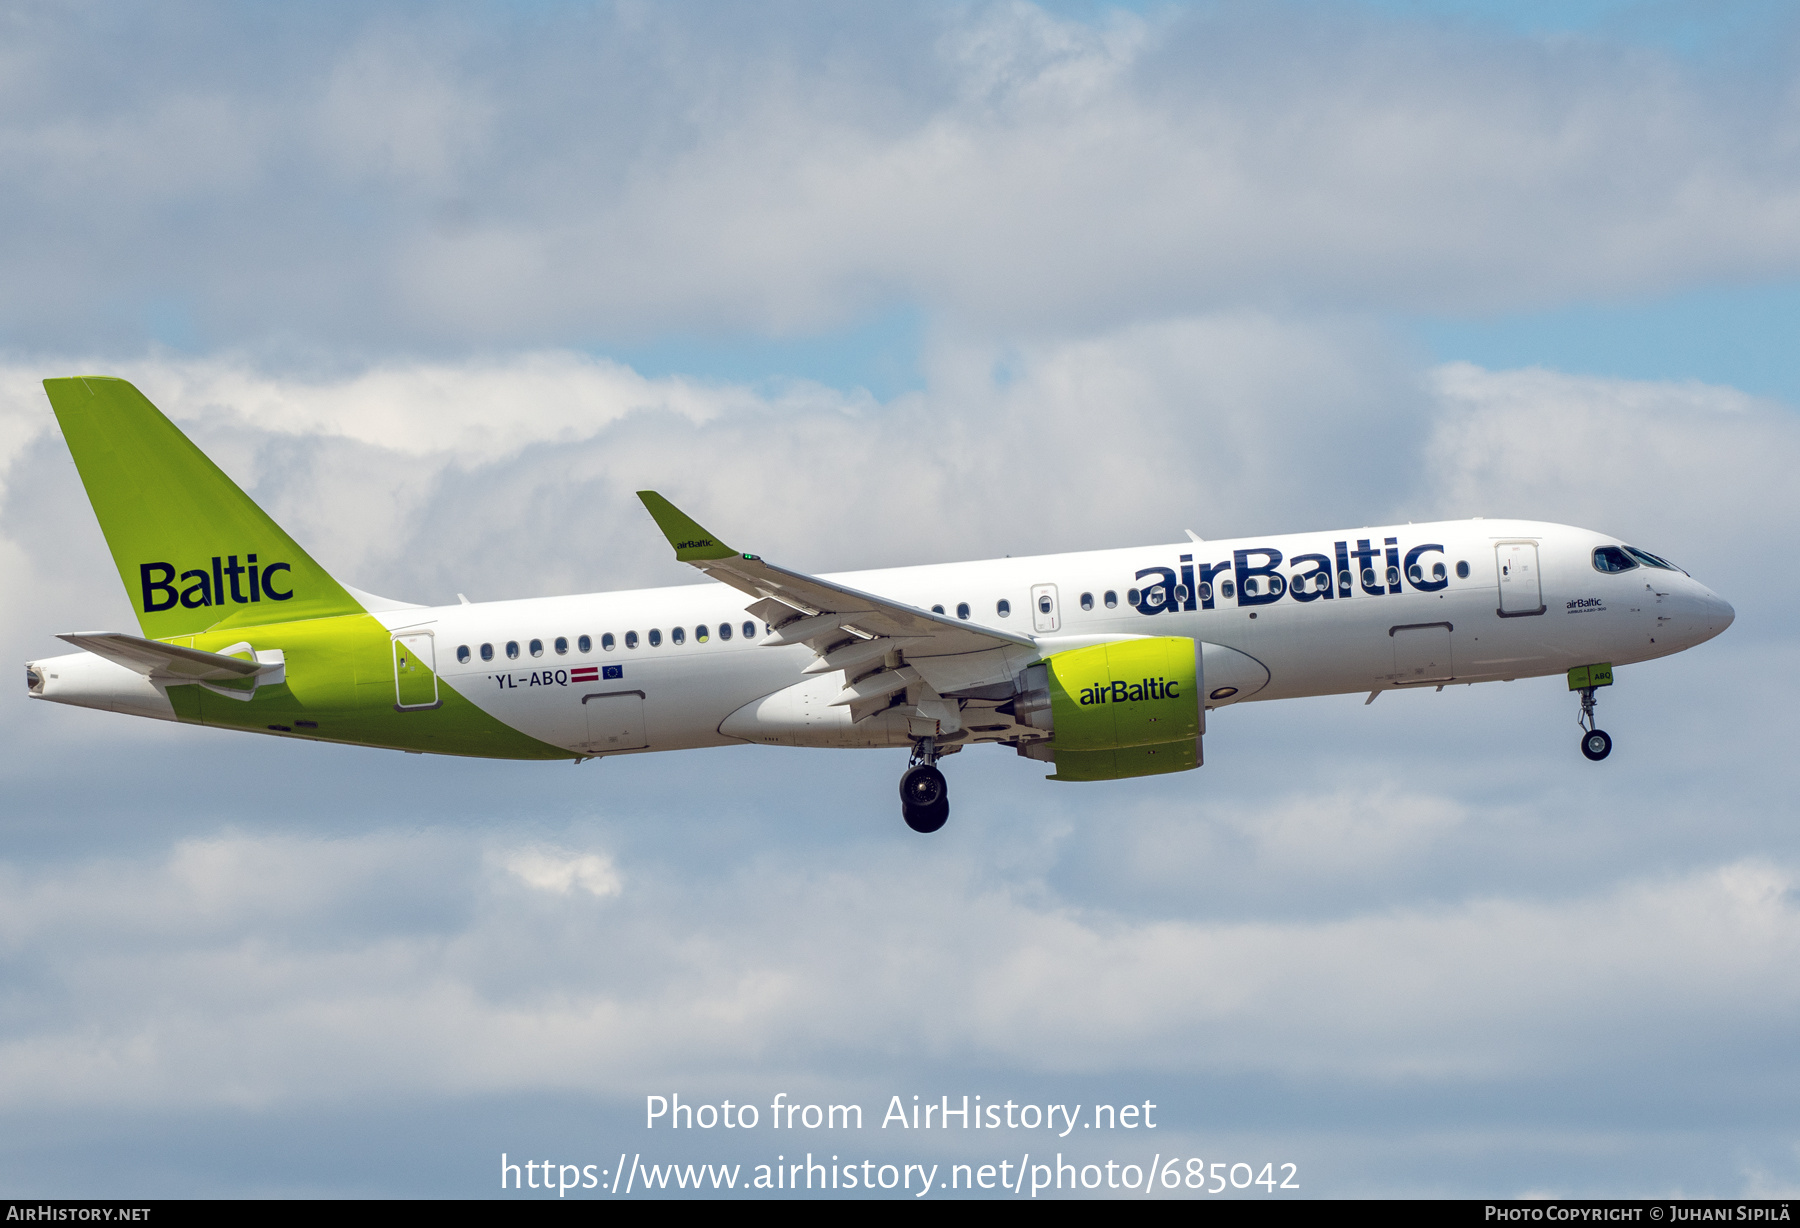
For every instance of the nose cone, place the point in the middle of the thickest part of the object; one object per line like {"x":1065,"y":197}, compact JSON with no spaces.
{"x":1714,"y":615}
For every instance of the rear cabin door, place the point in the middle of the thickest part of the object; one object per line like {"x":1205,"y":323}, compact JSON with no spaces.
{"x":1521,"y":591}
{"x":615,"y":721}
{"x":415,"y":672}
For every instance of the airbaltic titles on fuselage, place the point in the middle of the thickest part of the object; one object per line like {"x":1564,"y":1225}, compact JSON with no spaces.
{"x":1380,"y":571}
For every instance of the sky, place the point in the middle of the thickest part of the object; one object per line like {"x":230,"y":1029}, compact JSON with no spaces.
{"x":865,"y":286}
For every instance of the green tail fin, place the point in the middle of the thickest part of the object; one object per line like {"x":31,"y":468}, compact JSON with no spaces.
{"x":193,"y":550}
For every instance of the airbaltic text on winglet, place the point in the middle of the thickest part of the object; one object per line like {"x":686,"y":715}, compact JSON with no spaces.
{"x":694,"y":545}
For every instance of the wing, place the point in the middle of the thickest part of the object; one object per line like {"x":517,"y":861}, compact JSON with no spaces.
{"x":882,"y":645}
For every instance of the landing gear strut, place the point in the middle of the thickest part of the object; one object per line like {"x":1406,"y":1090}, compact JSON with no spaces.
{"x":924,"y":794}
{"x":1596,"y":744}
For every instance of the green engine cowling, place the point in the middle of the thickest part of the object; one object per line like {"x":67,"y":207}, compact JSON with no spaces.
{"x":1129,"y":708}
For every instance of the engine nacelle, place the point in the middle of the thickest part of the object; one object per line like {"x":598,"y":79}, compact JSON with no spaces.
{"x":1130,"y":708}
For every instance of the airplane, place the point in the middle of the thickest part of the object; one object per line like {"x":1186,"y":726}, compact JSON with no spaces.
{"x":1102,"y":664}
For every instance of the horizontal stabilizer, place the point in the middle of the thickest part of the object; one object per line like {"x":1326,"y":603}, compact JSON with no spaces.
{"x":168,"y":663}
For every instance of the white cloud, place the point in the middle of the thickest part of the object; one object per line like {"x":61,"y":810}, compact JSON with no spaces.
{"x":390,"y":182}
{"x":559,"y":871}
{"x":222,"y":991}
{"x":1697,"y":468}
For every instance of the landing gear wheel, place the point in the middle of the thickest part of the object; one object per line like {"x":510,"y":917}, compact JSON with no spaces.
{"x":924,"y":794}
{"x":926,"y":819}
{"x":1596,"y":744}
{"x":922,"y":788}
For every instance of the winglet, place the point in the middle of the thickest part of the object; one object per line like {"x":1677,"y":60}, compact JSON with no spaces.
{"x":692,"y":543}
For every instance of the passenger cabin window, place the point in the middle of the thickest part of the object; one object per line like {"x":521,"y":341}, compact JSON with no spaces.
{"x":606,"y":642}
{"x":724,"y":631}
{"x":462,"y":654}
{"x":1344,"y":581}
{"x":487,"y":652}
{"x":562,"y":645}
{"x":631,"y":639}
{"x":937,"y":609}
{"x":656,"y":637}
{"x":962,"y":609}
{"x":585,"y":644}
{"x":1087,"y":601}
{"x":1393,"y":577}
{"x":1003,"y":607}
{"x":537,"y":648}
{"x":1462,"y":570}
{"x":1228,"y":588}
{"x":1437,"y":572}
{"x":512,"y":650}
{"x":679,"y":635}
{"x":1205,"y":591}
{"x":1131,"y":596}
{"x":749,"y":631}
{"x":1111,"y":599}
{"x":700,"y":634}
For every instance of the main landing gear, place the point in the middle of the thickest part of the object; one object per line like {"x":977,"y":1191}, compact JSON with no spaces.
{"x":924,"y":794}
{"x":1596,"y":744}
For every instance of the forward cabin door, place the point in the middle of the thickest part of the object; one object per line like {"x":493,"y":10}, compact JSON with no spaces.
{"x":415,"y":672}
{"x":1521,"y":591}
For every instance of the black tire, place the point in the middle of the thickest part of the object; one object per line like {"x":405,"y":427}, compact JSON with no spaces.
{"x":923,"y":787}
{"x":1596,"y":745}
{"x":926,"y":819}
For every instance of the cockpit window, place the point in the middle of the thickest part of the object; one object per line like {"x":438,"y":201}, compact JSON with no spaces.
{"x":1612,"y":558}
{"x":1650,"y":560}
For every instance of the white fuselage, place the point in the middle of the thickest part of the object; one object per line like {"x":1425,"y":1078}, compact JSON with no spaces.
{"x":707,"y":693}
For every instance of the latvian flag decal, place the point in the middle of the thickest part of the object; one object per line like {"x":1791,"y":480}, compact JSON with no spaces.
{"x":587,"y":673}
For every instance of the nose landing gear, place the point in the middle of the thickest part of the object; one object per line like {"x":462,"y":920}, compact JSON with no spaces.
{"x":924,"y":794}
{"x":1596,"y":744}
